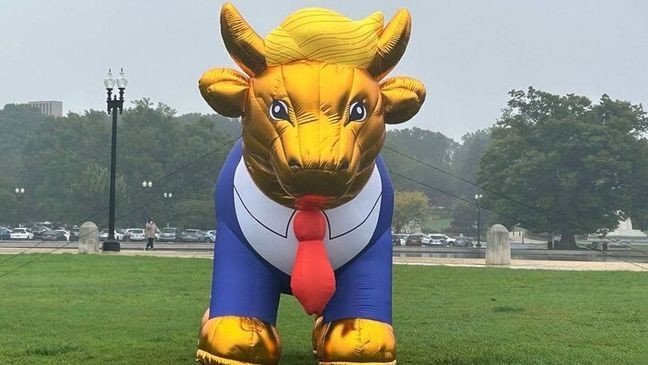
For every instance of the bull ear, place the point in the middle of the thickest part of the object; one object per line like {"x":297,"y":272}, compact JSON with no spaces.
{"x":402,"y":98}
{"x":225,"y":91}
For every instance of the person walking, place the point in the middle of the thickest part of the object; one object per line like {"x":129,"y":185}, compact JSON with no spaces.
{"x":151,"y":229}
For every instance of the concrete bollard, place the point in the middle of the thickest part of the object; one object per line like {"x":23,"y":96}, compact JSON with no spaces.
{"x":89,"y":238}
{"x":498,"y":248}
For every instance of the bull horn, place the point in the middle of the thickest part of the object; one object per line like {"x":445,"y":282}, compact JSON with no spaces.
{"x":242,"y":42}
{"x":391,"y":44}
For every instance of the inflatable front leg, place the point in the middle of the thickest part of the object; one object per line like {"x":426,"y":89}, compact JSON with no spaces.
{"x":355,"y":328}
{"x":239,"y":329}
{"x":233,"y":340}
{"x":354,"y":341}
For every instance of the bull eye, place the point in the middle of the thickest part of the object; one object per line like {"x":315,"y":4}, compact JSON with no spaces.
{"x":278,"y":110}
{"x":357,"y":112}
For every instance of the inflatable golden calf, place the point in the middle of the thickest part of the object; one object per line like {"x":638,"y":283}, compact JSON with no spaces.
{"x":304,"y":201}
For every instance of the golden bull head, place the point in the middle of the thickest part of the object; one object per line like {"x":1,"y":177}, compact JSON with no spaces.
{"x":313,"y":102}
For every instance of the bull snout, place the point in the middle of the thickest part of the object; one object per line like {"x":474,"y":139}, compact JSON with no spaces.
{"x":320,"y":145}
{"x":321,"y":170}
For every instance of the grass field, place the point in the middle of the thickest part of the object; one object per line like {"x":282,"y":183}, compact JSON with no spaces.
{"x":72,"y":309}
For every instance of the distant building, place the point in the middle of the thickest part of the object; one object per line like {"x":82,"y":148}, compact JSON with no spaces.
{"x":51,"y":108}
{"x":625,"y":230}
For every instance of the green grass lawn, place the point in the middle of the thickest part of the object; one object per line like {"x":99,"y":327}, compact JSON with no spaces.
{"x":73,"y":309}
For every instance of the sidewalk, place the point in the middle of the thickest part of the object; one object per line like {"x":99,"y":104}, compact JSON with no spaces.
{"x":423,"y":261}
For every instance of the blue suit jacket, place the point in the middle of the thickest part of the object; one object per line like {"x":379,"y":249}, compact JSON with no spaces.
{"x":245,"y":283}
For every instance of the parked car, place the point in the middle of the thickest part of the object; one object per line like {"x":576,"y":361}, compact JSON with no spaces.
{"x":395,"y":240}
{"x":192,"y":235}
{"x":437,"y":239}
{"x":66,"y":233}
{"x":204,"y":237}
{"x":127,"y":234}
{"x":440,"y":239}
{"x":414,"y":240}
{"x":398,"y":239}
{"x":211,"y":236}
{"x":21,"y":234}
{"x":135,"y":234}
{"x":56,"y":235}
{"x":463,"y":242}
{"x":426,"y":239}
{"x":449,"y":240}
{"x":74,"y":234}
{"x":39,"y":230}
{"x":103,"y":235}
{"x":5,"y":233}
{"x":168,"y":234}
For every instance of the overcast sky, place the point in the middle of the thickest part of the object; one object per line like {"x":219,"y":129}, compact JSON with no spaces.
{"x":469,"y":54}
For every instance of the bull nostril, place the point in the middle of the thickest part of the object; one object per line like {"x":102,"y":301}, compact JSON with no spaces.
{"x":293,"y":164}
{"x":343,"y":165}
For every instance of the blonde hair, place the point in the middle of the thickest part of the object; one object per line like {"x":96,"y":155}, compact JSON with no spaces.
{"x":324,"y":35}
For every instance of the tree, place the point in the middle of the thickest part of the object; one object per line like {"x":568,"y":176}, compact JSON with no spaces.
{"x":87,"y":195}
{"x":196,"y":213}
{"x":64,"y":163}
{"x":565,"y":165}
{"x":431,"y":147}
{"x":409,"y":206}
{"x":466,"y":158}
{"x":464,"y":218}
{"x":8,"y":199}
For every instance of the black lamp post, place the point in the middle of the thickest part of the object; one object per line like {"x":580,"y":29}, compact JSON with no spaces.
{"x":114,"y":105}
{"x":477,"y":197}
{"x":167,"y":203}
{"x":20,"y":194}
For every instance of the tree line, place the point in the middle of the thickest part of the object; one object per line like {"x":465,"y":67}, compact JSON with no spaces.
{"x":558,"y":164}
{"x":64,"y":164}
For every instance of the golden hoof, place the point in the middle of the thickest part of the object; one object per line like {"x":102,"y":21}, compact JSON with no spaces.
{"x":233,"y":340}
{"x":355,"y":341}
{"x":319,"y":328}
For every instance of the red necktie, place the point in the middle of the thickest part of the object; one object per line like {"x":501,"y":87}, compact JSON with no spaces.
{"x":312,"y":280}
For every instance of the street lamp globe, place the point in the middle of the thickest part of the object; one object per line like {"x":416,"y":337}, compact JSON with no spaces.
{"x":121,"y":80}
{"x":109,"y":80}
